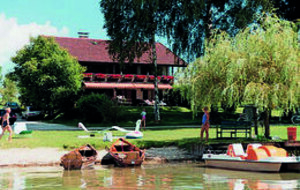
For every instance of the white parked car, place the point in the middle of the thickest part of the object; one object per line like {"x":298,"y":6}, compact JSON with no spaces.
{"x":31,"y":113}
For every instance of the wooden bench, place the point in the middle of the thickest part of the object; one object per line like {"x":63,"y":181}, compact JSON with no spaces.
{"x":233,"y":128}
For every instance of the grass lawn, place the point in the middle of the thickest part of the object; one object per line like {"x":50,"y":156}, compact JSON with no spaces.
{"x":131,"y":114}
{"x":152,"y":138}
{"x":184,"y":116}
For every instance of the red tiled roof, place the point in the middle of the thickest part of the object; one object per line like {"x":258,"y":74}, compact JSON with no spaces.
{"x":91,"y":85}
{"x":93,"y":50}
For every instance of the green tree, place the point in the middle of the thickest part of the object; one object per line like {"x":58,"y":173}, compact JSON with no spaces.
{"x":9,"y":92}
{"x":133,"y":26}
{"x":259,"y":66}
{"x":47,"y":76}
{"x":98,"y":108}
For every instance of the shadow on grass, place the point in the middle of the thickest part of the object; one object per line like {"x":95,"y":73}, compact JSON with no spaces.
{"x":187,"y":143}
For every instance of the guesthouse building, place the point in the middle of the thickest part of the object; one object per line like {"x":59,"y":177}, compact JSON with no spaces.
{"x":129,"y":83}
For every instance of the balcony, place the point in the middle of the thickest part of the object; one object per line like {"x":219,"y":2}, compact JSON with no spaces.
{"x":100,"y":77}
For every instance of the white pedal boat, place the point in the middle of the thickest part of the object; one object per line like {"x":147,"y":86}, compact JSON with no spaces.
{"x":258,"y":158}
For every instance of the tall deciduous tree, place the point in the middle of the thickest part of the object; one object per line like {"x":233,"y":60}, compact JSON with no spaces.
{"x":47,"y":76}
{"x":133,"y":25}
{"x":189,"y":23}
{"x":258,"y":66}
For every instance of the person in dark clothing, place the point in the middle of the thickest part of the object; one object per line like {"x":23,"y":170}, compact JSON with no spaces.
{"x":5,"y":124}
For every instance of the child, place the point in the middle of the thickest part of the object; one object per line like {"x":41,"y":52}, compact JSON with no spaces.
{"x":5,"y":124}
{"x":205,"y":123}
{"x":144,"y":118}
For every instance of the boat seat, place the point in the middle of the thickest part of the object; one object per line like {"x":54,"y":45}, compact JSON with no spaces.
{"x":236,"y":150}
{"x":252,"y":146}
{"x":273,"y":151}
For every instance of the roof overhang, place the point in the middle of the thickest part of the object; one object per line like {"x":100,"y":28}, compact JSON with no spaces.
{"x":91,"y":85}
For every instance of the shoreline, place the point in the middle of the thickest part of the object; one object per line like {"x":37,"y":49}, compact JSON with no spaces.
{"x":26,"y":157}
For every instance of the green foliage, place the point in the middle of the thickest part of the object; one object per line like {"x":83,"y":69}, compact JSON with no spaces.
{"x":48,"y":77}
{"x":132,"y":24}
{"x":259,"y":67}
{"x":128,"y":25}
{"x":9,"y":92}
{"x":98,"y":108}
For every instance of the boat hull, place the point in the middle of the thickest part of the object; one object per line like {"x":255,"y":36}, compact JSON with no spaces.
{"x":261,"y":158}
{"x":80,"y":158}
{"x":244,"y":165}
{"x":131,"y":159}
{"x":122,"y":153}
{"x":291,"y":167}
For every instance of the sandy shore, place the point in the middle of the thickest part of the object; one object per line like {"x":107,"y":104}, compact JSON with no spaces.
{"x":24,"y":157}
{"x":28,"y":157}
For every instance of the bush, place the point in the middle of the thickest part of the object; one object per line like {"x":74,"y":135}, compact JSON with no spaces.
{"x":98,"y":108}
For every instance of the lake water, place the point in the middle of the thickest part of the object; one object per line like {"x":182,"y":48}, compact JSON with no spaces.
{"x":169,"y":176}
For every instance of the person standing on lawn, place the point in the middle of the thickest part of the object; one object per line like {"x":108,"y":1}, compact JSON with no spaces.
{"x":5,"y":124}
{"x":144,"y":118}
{"x":205,"y":123}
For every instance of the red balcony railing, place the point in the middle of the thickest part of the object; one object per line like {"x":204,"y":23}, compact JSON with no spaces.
{"x":170,"y":77}
{"x":100,"y":76}
{"x":126,"y":77}
{"x":115,"y":76}
{"x":151,"y":77}
{"x":140,"y":77}
{"x":87,"y":75}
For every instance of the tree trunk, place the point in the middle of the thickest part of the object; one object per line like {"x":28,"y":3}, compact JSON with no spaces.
{"x":255,"y":121}
{"x":154,"y":61}
{"x":267,"y":123}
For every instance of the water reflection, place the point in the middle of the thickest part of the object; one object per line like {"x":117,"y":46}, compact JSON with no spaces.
{"x":146,"y":177}
{"x":238,"y":180}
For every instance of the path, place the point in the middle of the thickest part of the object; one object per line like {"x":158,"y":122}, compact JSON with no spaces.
{"x":44,"y":126}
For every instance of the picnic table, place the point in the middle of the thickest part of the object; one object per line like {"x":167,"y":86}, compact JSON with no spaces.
{"x":233,"y":128}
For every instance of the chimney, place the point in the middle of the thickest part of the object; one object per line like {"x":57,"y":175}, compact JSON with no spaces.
{"x":83,"y":34}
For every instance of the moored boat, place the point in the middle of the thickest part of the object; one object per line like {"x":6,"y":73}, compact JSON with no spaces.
{"x":79,"y":158}
{"x":257,"y":158}
{"x":123,"y":153}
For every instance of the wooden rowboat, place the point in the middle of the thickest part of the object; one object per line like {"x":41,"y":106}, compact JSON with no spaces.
{"x":122,"y":153}
{"x":79,"y":158}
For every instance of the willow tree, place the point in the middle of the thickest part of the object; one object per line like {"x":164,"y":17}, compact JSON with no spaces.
{"x":259,"y":66}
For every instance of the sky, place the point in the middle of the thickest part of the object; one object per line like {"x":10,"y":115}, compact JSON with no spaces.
{"x":22,"y":19}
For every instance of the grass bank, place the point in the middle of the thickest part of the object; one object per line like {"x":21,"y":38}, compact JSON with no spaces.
{"x":152,"y":138}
